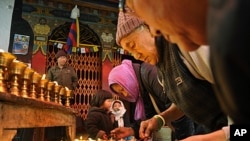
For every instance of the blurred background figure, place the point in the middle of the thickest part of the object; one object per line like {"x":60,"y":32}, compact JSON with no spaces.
{"x":65,"y":76}
{"x":99,"y":121}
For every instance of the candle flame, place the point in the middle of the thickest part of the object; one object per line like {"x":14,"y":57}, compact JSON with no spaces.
{"x":55,"y":82}
{"x":44,"y":76}
{"x":15,"y":60}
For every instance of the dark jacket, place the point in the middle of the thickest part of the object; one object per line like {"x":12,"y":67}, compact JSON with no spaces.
{"x":230,"y":61}
{"x":66,"y":76}
{"x":196,"y":98}
{"x":148,"y":83}
{"x":98,"y":120}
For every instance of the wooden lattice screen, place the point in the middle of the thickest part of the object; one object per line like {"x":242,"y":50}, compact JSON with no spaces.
{"x":117,"y":58}
{"x":87,"y":65}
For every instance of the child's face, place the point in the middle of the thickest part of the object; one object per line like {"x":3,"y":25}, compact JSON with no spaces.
{"x":117,"y":106}
{"x":107,"y":103}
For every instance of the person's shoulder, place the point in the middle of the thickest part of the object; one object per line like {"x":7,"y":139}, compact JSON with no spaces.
{"x":148,"y":68}
{"x":53,"y":68}
{"x":145,"y":65}
{"x":96,"y":112}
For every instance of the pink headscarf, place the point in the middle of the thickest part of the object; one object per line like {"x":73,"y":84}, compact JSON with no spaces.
{"x":124,"y":75}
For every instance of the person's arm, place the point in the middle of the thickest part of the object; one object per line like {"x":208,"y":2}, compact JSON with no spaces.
{"x":123,"y":132}
{"x":92,"y":123}
{"x":172,"y":113}
{"x":49,"y":75}
{"x":154,"y":124}
{"x":219,"y":135}
{"x":150,"y":81}
{"x":126,"y":119}
{"x":74,"y":79}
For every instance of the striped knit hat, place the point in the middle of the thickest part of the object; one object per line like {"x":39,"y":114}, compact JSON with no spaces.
{"x":127,"y":22}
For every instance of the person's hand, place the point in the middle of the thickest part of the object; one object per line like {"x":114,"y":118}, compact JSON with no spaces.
{"x":102,"y":135}
{"x":105,"y":137}
{"x":147,"y":127}
{"x":122,"y":132}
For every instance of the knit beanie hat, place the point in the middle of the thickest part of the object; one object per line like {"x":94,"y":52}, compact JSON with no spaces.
{"x":127,"y":22}
{"x":60,"y":53}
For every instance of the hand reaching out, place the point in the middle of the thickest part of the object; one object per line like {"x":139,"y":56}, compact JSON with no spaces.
{"x":122,"y":132}
{"x":147,"y":127}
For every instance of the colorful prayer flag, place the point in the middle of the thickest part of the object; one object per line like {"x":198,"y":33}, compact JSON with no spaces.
{"x":73,"y":36}
{"x":95,"y":48}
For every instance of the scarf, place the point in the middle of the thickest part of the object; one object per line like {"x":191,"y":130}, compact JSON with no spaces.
{"x":118,"y":113}
{"x":124,"y":75}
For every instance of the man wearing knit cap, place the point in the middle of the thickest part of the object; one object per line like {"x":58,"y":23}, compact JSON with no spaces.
{"x":134,"y":36}
{"x":63,"y":74}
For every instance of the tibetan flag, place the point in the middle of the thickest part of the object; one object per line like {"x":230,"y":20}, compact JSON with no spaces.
{"x":73,"y":36}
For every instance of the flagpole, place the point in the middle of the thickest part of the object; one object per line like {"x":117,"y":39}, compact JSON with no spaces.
{"x":77,"y":32}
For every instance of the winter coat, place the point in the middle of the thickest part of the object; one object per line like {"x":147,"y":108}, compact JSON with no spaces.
{"x":98,"y":120}
{"x":148,"y":82}
{"x":65,"y":76}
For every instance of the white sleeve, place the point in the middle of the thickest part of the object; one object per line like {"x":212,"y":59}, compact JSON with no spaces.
{"x":198,"y":63}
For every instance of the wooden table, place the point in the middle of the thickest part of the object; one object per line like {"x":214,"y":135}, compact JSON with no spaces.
{"x":18,"y":112}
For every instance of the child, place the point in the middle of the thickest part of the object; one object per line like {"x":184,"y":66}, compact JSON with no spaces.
{"x":98,"y":123}
{"x":121,"y":117}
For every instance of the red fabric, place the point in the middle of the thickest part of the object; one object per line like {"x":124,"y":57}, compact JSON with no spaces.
{"x":72,"y":36}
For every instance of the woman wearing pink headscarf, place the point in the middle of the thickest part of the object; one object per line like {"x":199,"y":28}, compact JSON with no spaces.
{"x":135,"y":83}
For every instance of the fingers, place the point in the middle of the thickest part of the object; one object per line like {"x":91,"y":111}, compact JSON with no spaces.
{"x":120,"y":132}
{"x":105,"y":137}
{"x":147,"y":128}
{"x":115,"y":133}
{"x":144,"y":131}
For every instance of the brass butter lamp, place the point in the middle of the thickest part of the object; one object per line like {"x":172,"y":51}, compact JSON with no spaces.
{"x":5,"y":60}
{"x":26,"y":77}
{"x":16,"y":69}
{"x":50,"y":89}
{"x":56,"y":92}
{"x":61,"y":94}
{"x":68,"y":95}
{"x":35,"y":79}
{"x":42,"y":85}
